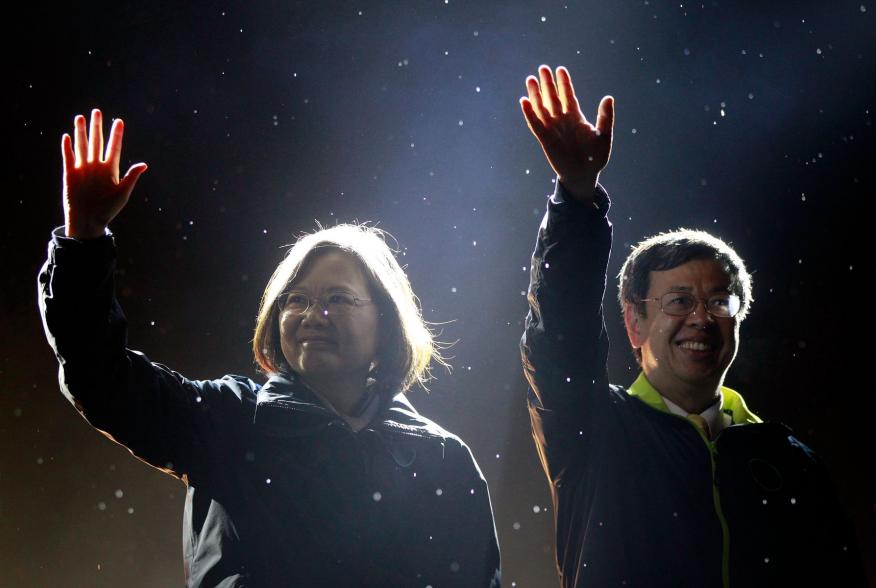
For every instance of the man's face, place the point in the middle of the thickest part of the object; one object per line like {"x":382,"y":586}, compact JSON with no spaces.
{"x":685,"y":354}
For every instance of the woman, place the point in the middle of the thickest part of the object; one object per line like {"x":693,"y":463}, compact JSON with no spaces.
{"x":323,"y":476}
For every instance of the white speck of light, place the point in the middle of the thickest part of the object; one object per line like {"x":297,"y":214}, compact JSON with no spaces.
{"x":474,"y":243}
{"x":863,"y":8}
{"x":453,"y":289}
{"x":764,"y":500}
{"x":460,"y":123}
{"x":818,"y":51}
{"x":547,"y":265}
{"x":118,"y":493}
{"x":516,"y":526}
{"x":634,"y":131}
{"x":268,"y":481}
{"x":536,"y":509}
{"x":793,"y":501}
{"x":101,"y":506}
{"x":766,"y":560}
{"x":376,"y":496}
{"x":439,"y":492}
{"x":568,"y":379}
{"x":477,"y":88}
{"x":454,"y":567}
{"x":130,"y":510}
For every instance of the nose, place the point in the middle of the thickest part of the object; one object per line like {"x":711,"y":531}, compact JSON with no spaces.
{"x":316,"y":312}
{"x":699,"y":315}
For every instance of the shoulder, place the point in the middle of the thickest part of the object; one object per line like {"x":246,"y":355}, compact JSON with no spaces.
{"x":229,"y":390}
{"x":402,"y":415}
{"x":403,"y":418}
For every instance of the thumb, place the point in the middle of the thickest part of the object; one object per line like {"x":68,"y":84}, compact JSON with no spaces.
{"x":126,"y":185}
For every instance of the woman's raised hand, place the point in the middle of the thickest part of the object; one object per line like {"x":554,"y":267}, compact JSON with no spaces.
{"x":93,"y":192}
{"x":576,"y":149}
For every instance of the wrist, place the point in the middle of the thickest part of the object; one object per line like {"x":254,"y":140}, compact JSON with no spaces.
{"x":581,"y":189}
{"x":83,"y":232}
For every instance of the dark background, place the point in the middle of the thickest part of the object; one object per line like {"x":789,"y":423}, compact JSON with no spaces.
{"x":752,"y":120}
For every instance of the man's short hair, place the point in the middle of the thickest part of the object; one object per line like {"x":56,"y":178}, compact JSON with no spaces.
{"x":669,"y":250}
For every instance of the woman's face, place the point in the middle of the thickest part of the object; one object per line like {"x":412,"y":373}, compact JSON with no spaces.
{"x":333,"y":340}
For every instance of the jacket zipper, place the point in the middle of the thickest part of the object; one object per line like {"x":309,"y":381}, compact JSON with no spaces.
{"x":716,"y":500}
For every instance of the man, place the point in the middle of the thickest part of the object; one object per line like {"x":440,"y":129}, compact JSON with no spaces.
{"x":672,"y":482}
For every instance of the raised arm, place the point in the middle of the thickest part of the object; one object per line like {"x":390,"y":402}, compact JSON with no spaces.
{"x":93,"y":193}
{"x":160,"y":416}
{"x":564,"y":346}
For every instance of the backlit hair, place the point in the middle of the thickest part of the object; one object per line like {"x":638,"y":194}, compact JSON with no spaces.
{"x":406,"y":344}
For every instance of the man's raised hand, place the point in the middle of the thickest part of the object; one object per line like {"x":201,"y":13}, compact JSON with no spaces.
{"x":576,"y":149}
{"x":93,"y":192}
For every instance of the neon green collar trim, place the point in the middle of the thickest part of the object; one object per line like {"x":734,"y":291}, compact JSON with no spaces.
{"x":732,"y":404}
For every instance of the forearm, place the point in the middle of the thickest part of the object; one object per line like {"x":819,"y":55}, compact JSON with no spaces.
{"x":136,"y":403}
{"x":564,"y":341}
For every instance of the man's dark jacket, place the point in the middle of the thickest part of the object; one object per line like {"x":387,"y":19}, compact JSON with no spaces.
{"x":281,"y":492}
{"x":640,"y":497}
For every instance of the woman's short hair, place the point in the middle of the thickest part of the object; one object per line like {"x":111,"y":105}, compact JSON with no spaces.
{"x":670,"y":250}
{"x":406,"y":344}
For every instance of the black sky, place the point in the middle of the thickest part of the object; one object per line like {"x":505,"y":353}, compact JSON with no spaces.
{"x":750,"y":120}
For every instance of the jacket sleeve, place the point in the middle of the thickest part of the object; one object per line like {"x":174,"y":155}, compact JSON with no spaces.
{"x":564,"y":346}
{"x":472,"y":543}
{"x":160,"y":416}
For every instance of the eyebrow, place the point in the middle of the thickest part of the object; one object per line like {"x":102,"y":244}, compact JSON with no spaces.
{"x":717,"y":290}
{"x":335,"y":288}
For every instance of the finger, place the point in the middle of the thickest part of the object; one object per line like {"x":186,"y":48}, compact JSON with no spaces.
{"x":605,"y":117}
{"x":114,"y":147}
{"x":567,"y":91}
{"x":549,"y":90}
{"x":535,"y":125}
{"x":80,"y":143}
{"x":534,"y":91}
{"x":130,"y":180}
{"x":95,"y":136}
{"x":67,"y":155}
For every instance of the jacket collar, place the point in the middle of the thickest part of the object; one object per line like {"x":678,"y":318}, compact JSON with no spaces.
{"x":289,"y":408}
{"x":732,"y":402}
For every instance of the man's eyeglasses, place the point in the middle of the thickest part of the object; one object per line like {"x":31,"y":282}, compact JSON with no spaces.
{"x":334,"y":303}
{"x":684,"y":303}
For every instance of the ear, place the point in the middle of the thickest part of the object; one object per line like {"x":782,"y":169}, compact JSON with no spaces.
{"x":632,"y":321}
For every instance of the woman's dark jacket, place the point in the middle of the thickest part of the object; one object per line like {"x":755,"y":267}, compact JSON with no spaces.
{"x":281,"y":492}
{"x":640,"y":497}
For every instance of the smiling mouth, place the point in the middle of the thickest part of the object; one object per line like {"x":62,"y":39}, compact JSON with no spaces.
{"x":317,"y":340}
{"x":696,"y":346}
